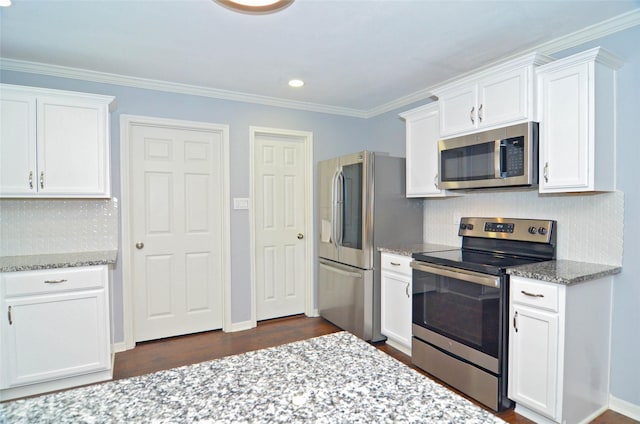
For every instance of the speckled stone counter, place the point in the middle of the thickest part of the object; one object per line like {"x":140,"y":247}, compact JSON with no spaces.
{"x":410,"y":249}
{"x":564,"y":272}
{"x":336,"y":378}
{"x":57,"y":260}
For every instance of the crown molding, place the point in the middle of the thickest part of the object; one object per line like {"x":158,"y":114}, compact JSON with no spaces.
{"x":590,"y":33}
{"x":171,"y":87}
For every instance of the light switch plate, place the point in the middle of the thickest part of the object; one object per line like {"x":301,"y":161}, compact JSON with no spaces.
{"x":240,"y":203}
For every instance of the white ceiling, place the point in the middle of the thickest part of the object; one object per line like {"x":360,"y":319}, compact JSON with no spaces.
{"x":356,"y":56}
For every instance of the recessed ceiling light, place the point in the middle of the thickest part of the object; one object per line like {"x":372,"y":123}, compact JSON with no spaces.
{"x":296,"y":83}
{"x":254,"y":6}
{"x":5,"y":3}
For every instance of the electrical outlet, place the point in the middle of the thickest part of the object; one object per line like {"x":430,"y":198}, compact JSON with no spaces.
{"x":456,"y":218}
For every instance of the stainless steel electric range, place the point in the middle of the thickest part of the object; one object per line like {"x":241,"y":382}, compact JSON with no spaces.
{"x":460,"y":303}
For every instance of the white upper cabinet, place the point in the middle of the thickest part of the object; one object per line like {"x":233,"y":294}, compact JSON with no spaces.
{"x":422,"y":134}
{"x":53,"y":143}
{"x":577,"y":101}
{"x":500,"y":95}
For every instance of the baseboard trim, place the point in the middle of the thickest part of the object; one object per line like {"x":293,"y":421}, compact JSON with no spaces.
{"x":625,"y":408}
{"x":119,"y":347}
{"x":241,"y":326}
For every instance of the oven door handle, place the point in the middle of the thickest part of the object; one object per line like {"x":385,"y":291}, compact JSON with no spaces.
{"x":460,"y":274}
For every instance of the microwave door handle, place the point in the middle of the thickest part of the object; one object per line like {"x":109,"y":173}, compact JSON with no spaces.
{"x":500,"y":155}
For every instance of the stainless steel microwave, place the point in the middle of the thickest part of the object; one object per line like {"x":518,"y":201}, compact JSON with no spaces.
{"x":500,"y":157}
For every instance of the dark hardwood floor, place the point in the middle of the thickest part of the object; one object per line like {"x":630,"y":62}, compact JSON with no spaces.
{"x":185,"y":350}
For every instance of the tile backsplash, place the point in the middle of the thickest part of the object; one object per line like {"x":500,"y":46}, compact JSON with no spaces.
{"x":40,"y":226}
{"x":590,"y":226}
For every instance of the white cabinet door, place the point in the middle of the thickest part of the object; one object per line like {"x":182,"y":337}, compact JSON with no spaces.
{"x":503,"y":98}
{"x":55,"y":336}
{"x":72,"y":145}
{"x":565,"y":149}
{"x":422,"y":134}
{"x":18,"y":143}
{"x":577,"y":125}
{"x":533,"y":359}
{"x":56,"y":325}
{"x":395,"y":281}
{"x":458,"y":110}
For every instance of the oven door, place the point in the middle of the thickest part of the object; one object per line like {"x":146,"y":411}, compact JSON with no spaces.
{"x":459,"y":312}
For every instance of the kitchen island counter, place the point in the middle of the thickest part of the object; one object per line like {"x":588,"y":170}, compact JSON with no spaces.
{"x":564,"y":271}
{"x":57,"y":260}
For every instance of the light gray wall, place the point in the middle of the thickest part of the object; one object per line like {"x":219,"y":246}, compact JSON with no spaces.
{"x":335,"y":135}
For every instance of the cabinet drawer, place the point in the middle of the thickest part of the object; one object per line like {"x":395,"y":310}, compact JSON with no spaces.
{"x":53,"y":280}
{"x":396,"y":263}
{"x":544,"y":296}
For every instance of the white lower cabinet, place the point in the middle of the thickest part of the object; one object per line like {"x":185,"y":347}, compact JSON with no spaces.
{"x":395,"y":279}
{"x":559,"y":349}
{"x":55,"y":331}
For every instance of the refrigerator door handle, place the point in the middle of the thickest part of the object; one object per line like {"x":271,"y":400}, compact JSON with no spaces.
{"x":340,"y":207}
{"x":334,"y":206}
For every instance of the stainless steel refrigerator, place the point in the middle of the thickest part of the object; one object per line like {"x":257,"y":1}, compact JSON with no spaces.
{"x":362,"y":206}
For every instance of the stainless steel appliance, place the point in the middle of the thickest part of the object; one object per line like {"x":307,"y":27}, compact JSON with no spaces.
{"x":497,"y":158}
{"x":362,"y":205}
{"x":460,"y":303}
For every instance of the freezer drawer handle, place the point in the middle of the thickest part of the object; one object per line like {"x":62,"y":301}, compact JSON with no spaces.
{"x":395,"y":263}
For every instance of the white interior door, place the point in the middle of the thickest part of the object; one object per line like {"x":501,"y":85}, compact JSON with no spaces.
{"x":177,"y":230}
{"x":281,"y":203}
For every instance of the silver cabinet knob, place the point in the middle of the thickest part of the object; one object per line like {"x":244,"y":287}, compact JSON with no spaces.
{"x":300,"y":236}
{"x":139,"y":245}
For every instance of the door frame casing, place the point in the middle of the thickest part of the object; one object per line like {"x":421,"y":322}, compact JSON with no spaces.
{"x":127,"y":122}
{"x":305,"y":137}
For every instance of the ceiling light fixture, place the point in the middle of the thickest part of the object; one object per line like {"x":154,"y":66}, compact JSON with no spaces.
{"x":5,"y":3}
{"x":254,"y":6}
{"x":296,"y":83}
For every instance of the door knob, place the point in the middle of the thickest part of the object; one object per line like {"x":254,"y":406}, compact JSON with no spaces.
{"x":139,"y":245}
{"x":300,"y":236}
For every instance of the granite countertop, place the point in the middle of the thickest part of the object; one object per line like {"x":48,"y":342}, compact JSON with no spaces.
{"x":56,"y":260}
{"x":564,"y":271}
{"x":409,"y":249}
{"x":336,"y":378}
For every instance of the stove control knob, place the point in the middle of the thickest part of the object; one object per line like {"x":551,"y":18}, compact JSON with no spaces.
{"x":469,"y":226}
{"x":463,"y":226}
{"x":542,"y":231}
{"x":533,"y":230}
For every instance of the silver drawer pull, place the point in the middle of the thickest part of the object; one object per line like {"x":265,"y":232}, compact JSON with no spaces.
{"x":394,"y":263}
{"x":531,"y":294}
{"x":54,"y":281}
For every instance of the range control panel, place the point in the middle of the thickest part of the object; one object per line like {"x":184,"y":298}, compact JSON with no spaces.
{"x":536,"y":230}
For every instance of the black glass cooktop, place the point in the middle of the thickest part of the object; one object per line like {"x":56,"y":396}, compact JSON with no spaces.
{"x":484,"y":262}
